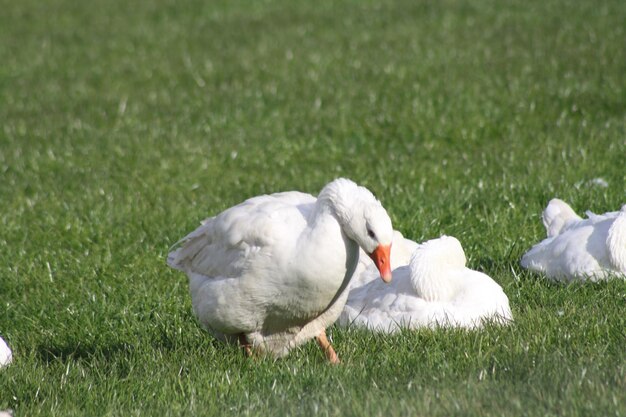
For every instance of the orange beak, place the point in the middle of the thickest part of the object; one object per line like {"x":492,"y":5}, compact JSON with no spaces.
{"x":381,"y":257}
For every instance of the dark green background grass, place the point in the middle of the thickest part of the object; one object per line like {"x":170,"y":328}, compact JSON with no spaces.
{"x":123,"y":124}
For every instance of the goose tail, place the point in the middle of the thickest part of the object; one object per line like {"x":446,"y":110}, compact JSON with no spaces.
{"x":616,"y":242}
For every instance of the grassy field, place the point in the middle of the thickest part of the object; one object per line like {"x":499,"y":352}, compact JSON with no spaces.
{"x":123,"y":124}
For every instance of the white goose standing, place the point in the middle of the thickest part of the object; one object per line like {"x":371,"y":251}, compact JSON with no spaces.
{"x":272,"y":272}
{"x":579,"y":249}
{"x":436,"y":289}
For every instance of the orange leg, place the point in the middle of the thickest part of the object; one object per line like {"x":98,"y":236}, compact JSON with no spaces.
{"x":243,"y":342}
{"x":330,"y":353}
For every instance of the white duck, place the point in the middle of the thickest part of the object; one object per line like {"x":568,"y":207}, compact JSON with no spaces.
{"x":435,"y":289}
{"x":272,"y":272}
{"x":6,"y":356}
{"x":579,"y":249}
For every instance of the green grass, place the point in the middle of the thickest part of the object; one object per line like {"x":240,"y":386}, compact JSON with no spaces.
{"x":123,"y":124}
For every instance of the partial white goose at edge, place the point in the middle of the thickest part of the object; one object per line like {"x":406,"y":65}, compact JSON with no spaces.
{"x":6,"y":356}
{"x":577,"y":249}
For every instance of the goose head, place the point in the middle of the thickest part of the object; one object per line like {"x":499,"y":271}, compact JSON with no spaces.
{"x":363,"y":219}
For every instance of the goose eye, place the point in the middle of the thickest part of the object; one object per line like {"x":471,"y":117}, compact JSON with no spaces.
{"x":371,"y":233}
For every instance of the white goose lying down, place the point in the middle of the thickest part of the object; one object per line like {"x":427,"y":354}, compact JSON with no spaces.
{"x":272,"y":271}
{"x":579,"y":249}
{"x":6,"y":356}
{"x":435,"y":289}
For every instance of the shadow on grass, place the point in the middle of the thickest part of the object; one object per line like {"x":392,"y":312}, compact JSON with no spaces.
{"x":82,"y":351}
{"x":161,"y":341}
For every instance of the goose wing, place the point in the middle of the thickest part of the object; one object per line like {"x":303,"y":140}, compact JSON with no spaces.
{"x":225,"y":245}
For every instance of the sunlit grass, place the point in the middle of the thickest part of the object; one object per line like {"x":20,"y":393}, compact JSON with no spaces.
{"x":124,"y":124}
